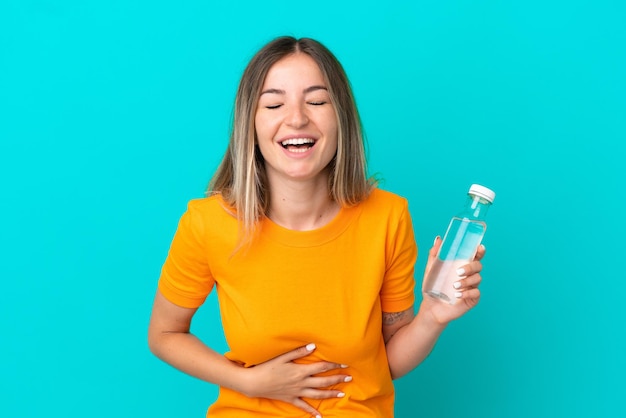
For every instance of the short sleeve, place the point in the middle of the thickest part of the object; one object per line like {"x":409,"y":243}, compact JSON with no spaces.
{"x":397,"y":293}
{"x":186,"y":279}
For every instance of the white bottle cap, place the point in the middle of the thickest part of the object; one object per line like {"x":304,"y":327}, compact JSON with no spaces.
{"x":482,"y":191}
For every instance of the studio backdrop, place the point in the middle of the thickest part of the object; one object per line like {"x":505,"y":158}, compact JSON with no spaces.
{"x":114,"y":114}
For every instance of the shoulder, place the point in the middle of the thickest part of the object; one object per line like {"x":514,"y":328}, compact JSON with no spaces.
{"x":384,"y":209}
{"x":385,"y":202}
{"x":213,"y":206}
{"x":209,"y":221}
{"x":209,"y":213}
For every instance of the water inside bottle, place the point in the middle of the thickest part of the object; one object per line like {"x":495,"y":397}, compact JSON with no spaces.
{"x":458,"y":248}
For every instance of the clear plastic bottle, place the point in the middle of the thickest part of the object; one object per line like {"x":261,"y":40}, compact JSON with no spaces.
{"x":459,"y":245}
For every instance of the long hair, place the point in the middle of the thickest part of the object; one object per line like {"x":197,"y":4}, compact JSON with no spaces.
{"x":241,"y":178}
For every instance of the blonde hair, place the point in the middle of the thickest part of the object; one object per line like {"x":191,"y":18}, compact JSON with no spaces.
{"x":241,"y":178}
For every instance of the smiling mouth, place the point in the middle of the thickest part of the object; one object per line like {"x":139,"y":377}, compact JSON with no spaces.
{"x":298,"y":144}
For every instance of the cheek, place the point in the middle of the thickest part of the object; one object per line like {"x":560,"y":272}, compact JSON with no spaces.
{"x":332,"y":126}
{"x":333,"y":131}
{"x":263,"y":136}
{"x":260,"y":127}
{"x":265,"y":125}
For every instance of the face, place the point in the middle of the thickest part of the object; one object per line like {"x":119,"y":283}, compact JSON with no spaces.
{"x":295,"y":121}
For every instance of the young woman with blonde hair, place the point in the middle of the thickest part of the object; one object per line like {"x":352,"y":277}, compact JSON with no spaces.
{"x":312,"y":263}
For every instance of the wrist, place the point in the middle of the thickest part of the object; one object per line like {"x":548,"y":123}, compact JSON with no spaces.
{"x":427,"y":315}
{"x":242,"y":380}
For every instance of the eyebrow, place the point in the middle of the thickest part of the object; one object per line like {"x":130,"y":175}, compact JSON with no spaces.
{"x":307,"y":90}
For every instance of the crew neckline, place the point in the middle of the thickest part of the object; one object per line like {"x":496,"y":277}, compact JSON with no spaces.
{"x":311,"y":238}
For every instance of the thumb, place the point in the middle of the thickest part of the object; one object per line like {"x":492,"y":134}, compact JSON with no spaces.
{"x":432,"y":254}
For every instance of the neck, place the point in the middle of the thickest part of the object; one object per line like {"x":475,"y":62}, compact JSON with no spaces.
{"x":301,"y":206}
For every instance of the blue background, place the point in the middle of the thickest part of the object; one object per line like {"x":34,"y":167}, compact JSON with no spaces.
{"x":113,"y":114}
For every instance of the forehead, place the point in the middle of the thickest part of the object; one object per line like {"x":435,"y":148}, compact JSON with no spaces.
{"x":294,"y":69}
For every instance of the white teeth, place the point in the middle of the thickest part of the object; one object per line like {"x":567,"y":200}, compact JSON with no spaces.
{"x":297,"y":141}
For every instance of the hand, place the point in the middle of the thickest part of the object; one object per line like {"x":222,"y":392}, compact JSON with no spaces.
{"x":468,"y":288}
{"x":282,"y":379}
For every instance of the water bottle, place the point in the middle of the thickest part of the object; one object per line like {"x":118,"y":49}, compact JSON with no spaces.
{"x":459,"y":245}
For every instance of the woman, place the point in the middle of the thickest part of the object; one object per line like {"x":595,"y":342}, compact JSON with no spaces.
{"x":312,"y":263}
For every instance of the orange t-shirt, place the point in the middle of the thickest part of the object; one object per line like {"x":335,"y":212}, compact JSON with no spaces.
{"x":289,"y":288}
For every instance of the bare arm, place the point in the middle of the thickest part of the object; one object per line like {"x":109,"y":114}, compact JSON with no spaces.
{"x":170,"y":340}
{"x":393,"y":321}
{"x":409,"y":339}
{"x":279,"y":378}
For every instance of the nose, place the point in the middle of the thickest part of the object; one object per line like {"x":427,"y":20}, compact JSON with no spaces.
{"x":296,"y":117}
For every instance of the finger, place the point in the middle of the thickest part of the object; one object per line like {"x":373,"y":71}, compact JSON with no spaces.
{"x":435,"y":248}
{"x":472,"y":293}
{"x":323,"y":366}
{"x":480,"y":252}
{"x":316,"y":382}
{"x":297,"y":353}
{"x":307,"y":408}
{"x":469,"y":269}
{"x":318,"y":394}
{"x":432,"y":254}
{"x":468,"y":282}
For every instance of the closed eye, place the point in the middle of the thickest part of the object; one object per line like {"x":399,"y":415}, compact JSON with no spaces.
{"x":317,"y":103}
{"x":273,"y":106}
